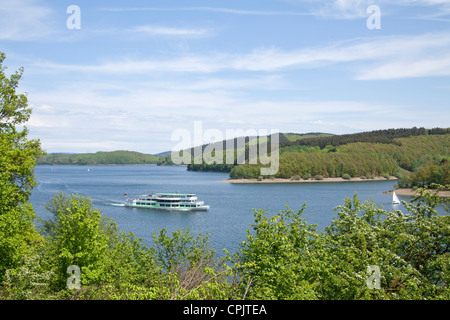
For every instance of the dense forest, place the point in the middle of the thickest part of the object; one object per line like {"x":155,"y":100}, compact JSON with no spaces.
{"x":98,"y":158}
{"x":417,"y":156}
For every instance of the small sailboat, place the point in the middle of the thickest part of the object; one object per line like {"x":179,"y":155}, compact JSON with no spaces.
{"x":395,"y":199}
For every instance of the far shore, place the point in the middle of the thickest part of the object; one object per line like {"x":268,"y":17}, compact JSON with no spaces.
{"x":400,"y":191}
{"x":283,"y":180}
{"x":413,"y":192}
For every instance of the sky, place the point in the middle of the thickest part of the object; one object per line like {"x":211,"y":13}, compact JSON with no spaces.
{"x":125,"y":75}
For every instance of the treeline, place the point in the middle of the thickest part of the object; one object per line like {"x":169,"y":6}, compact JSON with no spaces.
{"x":427,"y":175}
{"x":325,"y":165}
{"x":359,"y":159}
{"x":378,"y":136}
{"x":248,"y":142}
{"x":98,"y":158}
{"x":366,"y":154}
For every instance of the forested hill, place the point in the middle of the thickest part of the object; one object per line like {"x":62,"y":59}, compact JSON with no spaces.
{"x":378,"y":136}
{"x":99,"y":158}
{"x":396,"y":152}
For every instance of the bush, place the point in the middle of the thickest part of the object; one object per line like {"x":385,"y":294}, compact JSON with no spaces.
{"x":346,"y":176}
{"x":318,"y":177}
{"x":77,"y":234}
{"x":286,"y":258}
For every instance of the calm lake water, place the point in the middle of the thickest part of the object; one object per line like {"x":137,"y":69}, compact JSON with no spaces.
{"x":231,"y":204}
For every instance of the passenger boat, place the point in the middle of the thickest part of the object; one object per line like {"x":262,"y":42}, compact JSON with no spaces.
{"x":168,"y":201}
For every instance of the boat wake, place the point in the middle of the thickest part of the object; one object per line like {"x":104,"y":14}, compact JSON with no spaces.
{"x":114,"y":204}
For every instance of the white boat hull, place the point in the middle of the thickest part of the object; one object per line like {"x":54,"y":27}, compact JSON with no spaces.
{"x":203,"y":208}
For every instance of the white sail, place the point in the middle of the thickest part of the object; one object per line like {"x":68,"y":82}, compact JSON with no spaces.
{"x":395,"y":199}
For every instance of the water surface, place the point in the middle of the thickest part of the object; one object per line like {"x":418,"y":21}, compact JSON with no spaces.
{"x":231,"y":204}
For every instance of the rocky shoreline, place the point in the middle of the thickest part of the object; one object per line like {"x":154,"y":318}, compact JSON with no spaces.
{"x":312,"y":180}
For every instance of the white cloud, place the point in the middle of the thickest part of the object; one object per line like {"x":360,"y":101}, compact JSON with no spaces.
{"x":23,"y":20}
{"x":212,"y":9}
{"x":153,"y":30}
{"x":391,"y":57}
{"x":409,"y":69}
{"x":355,"y":9}
{"x":84,"y":117}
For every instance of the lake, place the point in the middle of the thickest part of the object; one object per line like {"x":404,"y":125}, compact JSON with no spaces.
{"x":230,"y":213}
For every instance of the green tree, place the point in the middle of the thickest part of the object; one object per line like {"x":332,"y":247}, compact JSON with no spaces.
{"x":191,"y":268}
{"x":17,"y":160}
{"x":270,"y":262}
{"x":286,"y":258}
{"x":78,"y":234}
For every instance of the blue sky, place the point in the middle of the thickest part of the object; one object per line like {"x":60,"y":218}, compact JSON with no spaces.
{"x":136,"y":71}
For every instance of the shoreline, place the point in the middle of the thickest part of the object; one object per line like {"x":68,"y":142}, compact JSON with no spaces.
{"x":311,"y":180}
{"x":400,"y":191}
{"x":112,"y":164}
{"x":413,"y":192}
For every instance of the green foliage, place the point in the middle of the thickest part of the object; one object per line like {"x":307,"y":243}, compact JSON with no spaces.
{"x":98,"y":158}
{"x":191,"y":270}
{"x":428,"y":175}
{"x":14,"y":107}
{"x":115,"y":265}
{"x":269,"y":261}
{"x":166,"y":161}
{"x":18,"y":238}
{"x":28,"y":281}
{"x":388,"y":136}
{"x":359,"y":159}
{"x":286,"y":258}
{"x":77,"y":235}
{"x":245,"y":172}
{"x":283,"y":257}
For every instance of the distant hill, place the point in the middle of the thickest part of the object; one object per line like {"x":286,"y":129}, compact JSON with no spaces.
{"x":98,"y":158}
{"x":163,"y":154}
{"x":416,"y":155}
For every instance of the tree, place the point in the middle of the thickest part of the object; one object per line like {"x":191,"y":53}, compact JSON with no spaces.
{"x":286,"y":258}
{"x":78,"y":234}
{"x":271,"y":261}
{"x":17,"y":160}
{"x":190,"y":269}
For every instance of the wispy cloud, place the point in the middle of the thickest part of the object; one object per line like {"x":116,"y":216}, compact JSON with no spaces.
{"x":212,"y":9}
{"x":153,"y":30}
{"x":391,"y":57}
{"x":354,"y":9}
{"x":24,"y":20}
{"x":84,"y":117}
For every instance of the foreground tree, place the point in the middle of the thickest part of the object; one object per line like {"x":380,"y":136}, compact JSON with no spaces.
{"x":286,"y":258}
{"x":17,"y":160}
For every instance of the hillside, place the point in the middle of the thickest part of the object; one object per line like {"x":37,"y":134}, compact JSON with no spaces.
{"x":417,"y":155}
{"x":284,"y":139}
{"x":99,"y":158}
